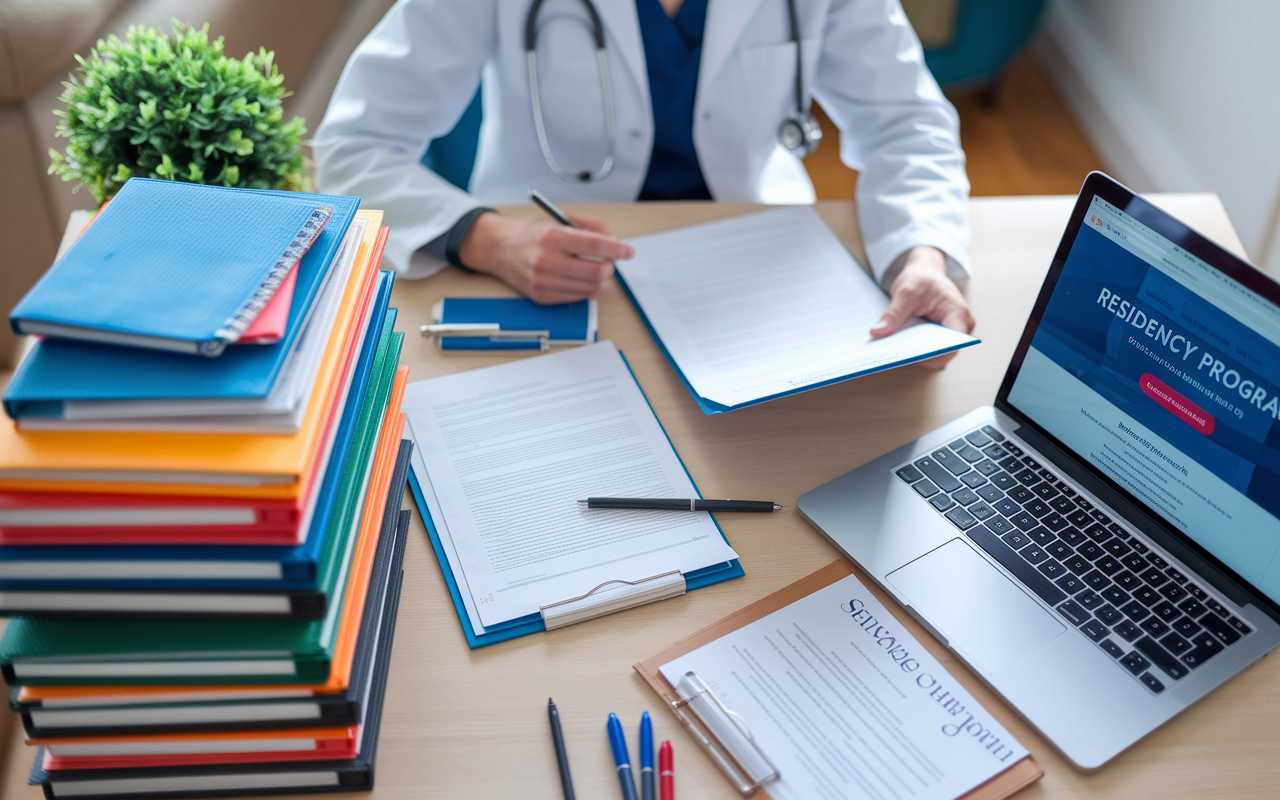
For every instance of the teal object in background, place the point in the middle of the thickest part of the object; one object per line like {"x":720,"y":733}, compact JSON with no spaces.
{"x":987,"y":34}
{"x":453,"y":156}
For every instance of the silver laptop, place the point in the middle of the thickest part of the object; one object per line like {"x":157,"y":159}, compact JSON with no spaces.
{"x":1103,"y":545}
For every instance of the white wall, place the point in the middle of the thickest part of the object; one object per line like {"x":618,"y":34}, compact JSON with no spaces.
{"x":1179,"y":95}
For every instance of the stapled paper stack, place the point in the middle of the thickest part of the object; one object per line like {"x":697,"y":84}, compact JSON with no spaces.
{"x":201,"y":548}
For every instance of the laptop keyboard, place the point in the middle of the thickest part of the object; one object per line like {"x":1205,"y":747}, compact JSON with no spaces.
{"x":1156,"y":623}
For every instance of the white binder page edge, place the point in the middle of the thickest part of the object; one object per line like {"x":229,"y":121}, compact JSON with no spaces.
{"x":765,"y":304}
{"x":510,"y":449}
{"x":847,"y":704}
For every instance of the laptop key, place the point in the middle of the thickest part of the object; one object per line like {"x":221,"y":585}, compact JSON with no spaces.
{"x":1168,"y":612}
{"x":953,"y":463}
{"x":1041,"y":536}
{"x":1108,"y":565}
{"x":1053,"y":521}
{"x":1062,"y":505}
{"x":1240,"y":626}
{"x":1139,"y":546}
{"x":978,"y":439}
{"x":1111,"y":648}
{"x":1045,"y":492}
{"x":1036,"y":508}
{"x":1017,"y":539}
{"x":1173,"y":593}
{"x":1006,"y":506}
{"x":1059,"y":549}
{"x":958,"y":445}
{"x":1079,"y":517}
{"x":1071,"y":536}
{"x":1204,"y":647}
{"x":1175,"y":644}
{"x":1192,"y":607}
{"x":1024,"y":521}
{"x":1186,"y":626}
{"x":1178,"y":577}
{"x":1135,"y":562}
{"x":1010,"y":464}
{"x":1020,"y":569}
{"x":1197,"y":592}
{"x":1069,"y":583}
{"x":1109,"y":615}
{"x":1135,"y":611}
{"x":981,"y":510}
{"x":925,"y":488}
{"x":1154,"y":626}
{"x":964,"y":497}
{"x":1135,"y":663}
{"x":961,"y":518}
{"x":1076,"y":564}
{"x":1074,"y":613}
{"x":999,"y":525}
{"x":1127,"y":630}
{"x":1052,"y":569}
{"x":1027,"y":477}
{"x":1147,"y":596}
{"x":1220,"y":629}
{"x":1099,"y":533}
{"x":1117,"y":548}
{"x":972,"y":479}
{"x":1004,"y":480}
{"x":1094,"y":629}
{"x":993,"y":433}
{"x":1157,"y":578}
{"x":1033,"y":553}
{"x":1090,"y":550}
{"x":1127,"y":581}
{"x":1085,"y":504}
{"x":1013,"y":448}
{"x":1120,"y":532}
{"x":1115,"y":595}
{"x":1217,"y":608}
{"x":1151,"y":682}
{"x":1159,"y":562}
{"x":1096,"y":580}
{"x":1021,"y":494}
{"x":989,"y":493}
{"x":995,"y":452}
{"x":910,"y":474}
{"x":1089,"y":599}
{"x":945,"y":480}
{"x":986,"y":467}
{"x":941,"y":502}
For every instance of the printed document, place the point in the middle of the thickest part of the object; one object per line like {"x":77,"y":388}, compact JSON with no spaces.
{"x":847,"y":704}
{"x":509,"y":450}
{"x":768,"y":304}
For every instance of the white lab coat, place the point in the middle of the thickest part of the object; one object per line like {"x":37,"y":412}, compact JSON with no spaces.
{"x":411,"y":79}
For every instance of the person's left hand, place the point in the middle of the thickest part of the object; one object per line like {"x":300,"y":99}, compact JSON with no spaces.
{"x":922,"y":289}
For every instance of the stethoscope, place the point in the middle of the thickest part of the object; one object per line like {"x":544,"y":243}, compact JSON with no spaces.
{"x":799,"y":134}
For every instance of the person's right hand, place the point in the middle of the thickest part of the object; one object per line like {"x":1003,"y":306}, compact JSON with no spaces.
{"x":543,"y":260}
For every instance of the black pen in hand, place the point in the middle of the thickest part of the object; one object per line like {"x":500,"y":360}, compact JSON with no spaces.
{"x":692,"y":504}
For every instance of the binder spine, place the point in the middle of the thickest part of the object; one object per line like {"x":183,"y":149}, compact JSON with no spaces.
{"x":613,"y":596}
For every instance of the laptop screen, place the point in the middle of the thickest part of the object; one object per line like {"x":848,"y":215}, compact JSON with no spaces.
{"x":1164,"y":374}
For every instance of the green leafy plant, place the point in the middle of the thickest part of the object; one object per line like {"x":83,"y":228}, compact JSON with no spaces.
{"x":175,"y":107}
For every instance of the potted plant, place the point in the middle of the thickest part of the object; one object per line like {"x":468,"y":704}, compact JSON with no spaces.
{"x":174,"y":107}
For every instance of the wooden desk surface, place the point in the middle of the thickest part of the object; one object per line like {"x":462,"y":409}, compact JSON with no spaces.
{"x":472,"y":723}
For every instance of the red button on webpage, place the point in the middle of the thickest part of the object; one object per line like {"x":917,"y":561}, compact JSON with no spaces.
{"x":1176,"y":404}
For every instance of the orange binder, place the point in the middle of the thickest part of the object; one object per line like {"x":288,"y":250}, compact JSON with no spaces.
{"x":1016,"y":777}
{"x":236,"y":747}
{"x":207,"y":464}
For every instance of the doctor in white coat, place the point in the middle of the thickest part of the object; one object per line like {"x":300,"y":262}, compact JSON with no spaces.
{"x":413,"y":76}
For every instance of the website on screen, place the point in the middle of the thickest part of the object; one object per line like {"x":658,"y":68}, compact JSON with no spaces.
{"x":1165,"y":375}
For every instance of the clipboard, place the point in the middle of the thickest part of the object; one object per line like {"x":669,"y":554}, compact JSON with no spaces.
{"x":511,"y":323}
{"x":745,"y":776}
{"x":598,"y":602}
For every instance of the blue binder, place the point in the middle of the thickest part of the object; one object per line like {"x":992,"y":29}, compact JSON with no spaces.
{"x":58,"y":370}
{"x":297,"y":563}
{"x":561,"y":324}
{"x":533,"y":623}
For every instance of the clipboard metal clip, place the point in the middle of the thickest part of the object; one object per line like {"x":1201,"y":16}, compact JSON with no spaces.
{"x":611,"y":596}
{"x":484,"y":330}
{"x":723,"y":734}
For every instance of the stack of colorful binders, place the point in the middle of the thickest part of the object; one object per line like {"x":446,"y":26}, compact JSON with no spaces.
{"x":200,"y":528}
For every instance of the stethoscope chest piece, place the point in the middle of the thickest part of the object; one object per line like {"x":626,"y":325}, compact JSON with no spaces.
{"x":800,"y":135}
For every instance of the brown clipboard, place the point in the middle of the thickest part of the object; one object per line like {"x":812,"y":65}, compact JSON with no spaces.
{"x":1013,"y":779}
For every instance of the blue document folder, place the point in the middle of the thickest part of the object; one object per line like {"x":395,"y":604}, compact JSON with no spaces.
{"x":562,"y":324}
{"x":174,"y":266}
{"x":297,"y":564}
{"x":58,"y":370}
{"x":533,"y":622}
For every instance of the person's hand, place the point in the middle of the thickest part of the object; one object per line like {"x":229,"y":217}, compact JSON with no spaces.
{"x":544,"y":260}
{"x":922,"y":289}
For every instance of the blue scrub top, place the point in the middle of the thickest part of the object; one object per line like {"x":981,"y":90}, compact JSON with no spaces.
{"x":672,"y":52}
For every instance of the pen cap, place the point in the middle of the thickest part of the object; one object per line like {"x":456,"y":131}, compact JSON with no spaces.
{"x":617,"y":741}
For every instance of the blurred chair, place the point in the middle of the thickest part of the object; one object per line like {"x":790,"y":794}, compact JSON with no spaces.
{"x":968,"y":43}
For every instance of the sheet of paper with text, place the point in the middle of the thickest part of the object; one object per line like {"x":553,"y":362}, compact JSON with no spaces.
{"x":847,"y":704}
{"x":510,"y":449}
{"x":769,"y":303}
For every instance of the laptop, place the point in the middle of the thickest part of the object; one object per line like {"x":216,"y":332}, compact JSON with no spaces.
{"x":1102,"y":546}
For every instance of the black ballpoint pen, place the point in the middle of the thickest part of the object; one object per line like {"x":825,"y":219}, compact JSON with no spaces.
{"x":561,"y":756}
{"x":550,"y":207}
{"x":692,"y":504}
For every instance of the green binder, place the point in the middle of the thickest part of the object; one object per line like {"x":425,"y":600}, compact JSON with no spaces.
{"x":59,"y":652}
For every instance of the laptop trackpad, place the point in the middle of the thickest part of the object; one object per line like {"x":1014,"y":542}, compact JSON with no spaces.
{"x":976,"y":607}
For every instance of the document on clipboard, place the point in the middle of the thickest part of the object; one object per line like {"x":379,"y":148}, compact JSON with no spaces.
{"x":818,"y":691}
{"x":757,"y":307}
{"x":503,"y":455}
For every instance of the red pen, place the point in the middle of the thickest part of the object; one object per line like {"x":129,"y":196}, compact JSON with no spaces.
{"x":666,"y":772}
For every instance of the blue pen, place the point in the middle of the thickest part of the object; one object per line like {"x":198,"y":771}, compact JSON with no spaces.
{"x":619,"y":744}
{"x":646,"y":757}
